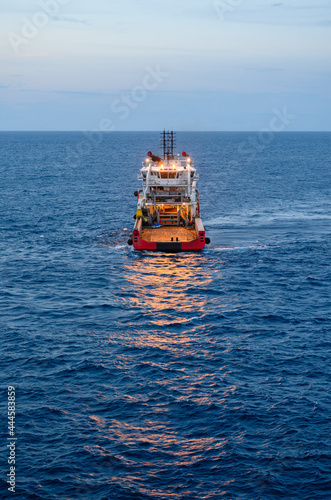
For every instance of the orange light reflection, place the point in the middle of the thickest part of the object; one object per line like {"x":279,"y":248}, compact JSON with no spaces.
{"x":168,"y":283}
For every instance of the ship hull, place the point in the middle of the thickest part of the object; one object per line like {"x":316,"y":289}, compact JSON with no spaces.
{"x":173,"y":247}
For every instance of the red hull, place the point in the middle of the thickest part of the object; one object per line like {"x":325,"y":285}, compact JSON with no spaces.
{"x":170,"y":247}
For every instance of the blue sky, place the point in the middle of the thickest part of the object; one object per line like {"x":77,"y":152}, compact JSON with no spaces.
{"x":150,"y":64}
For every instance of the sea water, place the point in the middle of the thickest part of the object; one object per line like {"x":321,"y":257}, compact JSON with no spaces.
{"x":159,"y":376}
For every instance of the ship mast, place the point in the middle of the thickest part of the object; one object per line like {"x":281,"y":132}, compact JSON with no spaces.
{"x":168,"y":140}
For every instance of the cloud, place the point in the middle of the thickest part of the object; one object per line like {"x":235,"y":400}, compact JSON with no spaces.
{"x":72,"y":20}
{"x":80,"y":93}
{"x":265,"y":69}
{"x":69,"y":92}
{"x":305,"y":13}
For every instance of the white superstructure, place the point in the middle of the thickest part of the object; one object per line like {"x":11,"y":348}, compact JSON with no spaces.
{"x":169,"y":190}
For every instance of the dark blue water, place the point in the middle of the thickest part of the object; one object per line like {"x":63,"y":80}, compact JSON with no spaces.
{"x":156,"y":376}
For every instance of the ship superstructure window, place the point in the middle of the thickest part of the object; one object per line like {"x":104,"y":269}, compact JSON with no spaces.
{"x":169,"y":175}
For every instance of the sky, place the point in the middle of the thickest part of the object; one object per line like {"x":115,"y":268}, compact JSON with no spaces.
{"x":204,"y":65}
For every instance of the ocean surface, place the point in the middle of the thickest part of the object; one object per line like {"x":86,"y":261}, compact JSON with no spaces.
{"x":153,"y":376}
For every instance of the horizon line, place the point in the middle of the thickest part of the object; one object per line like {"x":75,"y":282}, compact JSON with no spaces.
{"x":158,"y":130}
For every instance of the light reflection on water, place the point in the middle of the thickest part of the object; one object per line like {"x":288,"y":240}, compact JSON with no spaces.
{"x":163,"y":283}
{"x":160,"y":446}
{"x":174,"y":322}
{"x":173,"y":303}
{"x":166,"y":362}
{"x":167,"y":290}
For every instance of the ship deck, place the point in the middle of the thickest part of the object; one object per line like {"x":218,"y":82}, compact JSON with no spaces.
{"x":165,"y":233}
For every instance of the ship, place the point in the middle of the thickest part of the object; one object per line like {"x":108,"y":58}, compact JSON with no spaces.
{"x":167,"y":217}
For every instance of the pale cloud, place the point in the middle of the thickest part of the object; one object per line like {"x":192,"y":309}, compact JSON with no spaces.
{"x":72,"y":20}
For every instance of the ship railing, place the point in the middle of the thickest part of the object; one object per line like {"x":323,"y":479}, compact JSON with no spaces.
{"x":168,"y":182}
{"x":167,"y":193}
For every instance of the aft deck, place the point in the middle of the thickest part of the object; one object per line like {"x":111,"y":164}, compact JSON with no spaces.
{"x":168,"y":234}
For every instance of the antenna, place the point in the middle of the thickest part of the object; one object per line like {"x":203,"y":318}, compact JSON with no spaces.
{"x":168,"y":140}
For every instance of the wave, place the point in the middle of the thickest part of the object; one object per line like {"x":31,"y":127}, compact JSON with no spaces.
{"x":239,"y":248}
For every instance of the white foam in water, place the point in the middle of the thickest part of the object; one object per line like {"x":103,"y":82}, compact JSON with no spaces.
{"x":240,"y":249}
{"x":119,"y":247}
{"x":182,"y":321}
{"x":266,"y":217}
